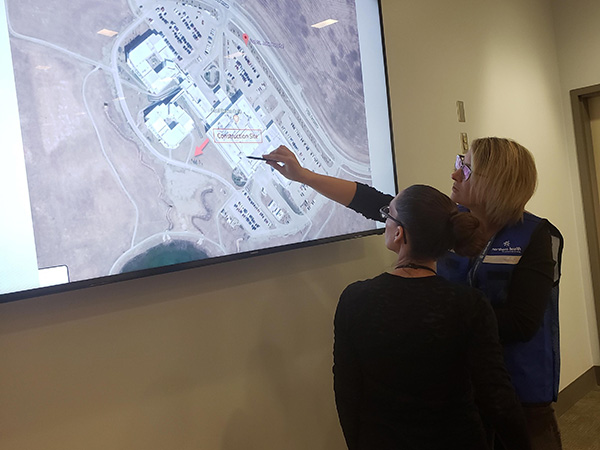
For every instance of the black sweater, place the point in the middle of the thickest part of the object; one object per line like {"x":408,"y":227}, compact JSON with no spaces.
{"x":412,"y":357}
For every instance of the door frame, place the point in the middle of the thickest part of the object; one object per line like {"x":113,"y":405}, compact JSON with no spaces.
{"x":590,"y":192}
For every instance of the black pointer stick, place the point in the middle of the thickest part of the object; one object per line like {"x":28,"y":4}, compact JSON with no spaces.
{"x":259,"y":158}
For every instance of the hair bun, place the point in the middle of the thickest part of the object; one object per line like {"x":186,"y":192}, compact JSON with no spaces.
{"x":468,"y":237}
{"x":435,"y":225}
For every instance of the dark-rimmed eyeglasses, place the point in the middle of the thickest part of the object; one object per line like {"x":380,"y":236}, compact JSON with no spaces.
{"x":385,"y":214}
{"x":465,"y":168}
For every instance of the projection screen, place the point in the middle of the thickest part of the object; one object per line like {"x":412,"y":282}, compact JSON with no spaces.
{"x":127,"y":127}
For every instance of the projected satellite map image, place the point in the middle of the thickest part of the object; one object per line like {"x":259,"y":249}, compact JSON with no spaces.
{"x":138,"y":116}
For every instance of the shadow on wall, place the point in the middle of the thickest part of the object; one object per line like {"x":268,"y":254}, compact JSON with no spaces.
{"x":78,"y":304}
{"x":288,"y":376}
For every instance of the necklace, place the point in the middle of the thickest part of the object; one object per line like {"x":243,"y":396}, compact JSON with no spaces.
{"x":415,"y":266}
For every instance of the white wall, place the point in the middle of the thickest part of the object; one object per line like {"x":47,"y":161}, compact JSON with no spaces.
{"x":239,"y":355}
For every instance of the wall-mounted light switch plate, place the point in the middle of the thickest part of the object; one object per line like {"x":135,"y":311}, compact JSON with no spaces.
{"x":460,"y":111}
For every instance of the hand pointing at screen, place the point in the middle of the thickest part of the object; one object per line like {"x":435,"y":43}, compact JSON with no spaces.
{"x":285,"y":162}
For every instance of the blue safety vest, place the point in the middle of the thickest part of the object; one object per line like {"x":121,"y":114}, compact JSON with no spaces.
{"x":534,"y":366}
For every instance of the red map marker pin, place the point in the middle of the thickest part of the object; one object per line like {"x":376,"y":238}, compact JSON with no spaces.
{"x":245,"y":38}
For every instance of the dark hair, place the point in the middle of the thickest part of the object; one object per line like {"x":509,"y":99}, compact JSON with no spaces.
{"x":434,"y":224}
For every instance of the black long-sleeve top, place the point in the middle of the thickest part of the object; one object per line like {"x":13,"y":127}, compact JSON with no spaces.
{"x":521,"y":315}
{"x":412,"y":358}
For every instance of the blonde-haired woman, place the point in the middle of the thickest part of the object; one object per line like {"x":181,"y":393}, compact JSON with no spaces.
{"x":505,"y":180}
{"x":518,"y":270}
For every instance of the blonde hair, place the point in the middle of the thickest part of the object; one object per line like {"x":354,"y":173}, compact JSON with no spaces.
{"x":504,"y":178}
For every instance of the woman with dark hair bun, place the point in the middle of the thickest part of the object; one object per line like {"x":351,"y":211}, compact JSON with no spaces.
{"x":437,"y":224}
{"x":416,"y":357}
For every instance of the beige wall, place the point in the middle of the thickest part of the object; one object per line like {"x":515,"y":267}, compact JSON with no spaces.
{"x":229,"y":357}
{"x":501,"y":59}
{"x":239,"y":355}
{"x":578,"y":45}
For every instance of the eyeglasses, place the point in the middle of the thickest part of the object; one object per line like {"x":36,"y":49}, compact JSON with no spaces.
{"x":385,"y":214}
{"x":460,"y":165}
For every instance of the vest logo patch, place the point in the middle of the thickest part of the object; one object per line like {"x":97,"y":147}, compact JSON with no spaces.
{"x":506,"y":254}
{"x":507,"y":249}
{"x":502,"y":259}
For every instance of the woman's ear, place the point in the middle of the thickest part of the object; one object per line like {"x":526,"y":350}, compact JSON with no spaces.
{"x":399,"y":234}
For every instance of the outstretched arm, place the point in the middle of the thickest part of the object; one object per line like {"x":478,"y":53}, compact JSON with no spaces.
{"x":285,"y":162}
